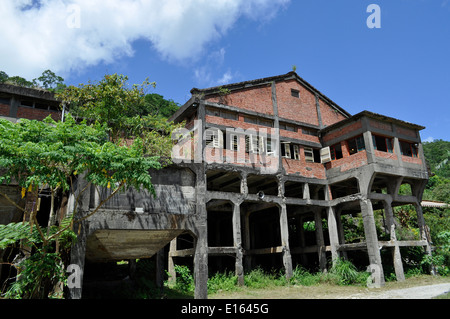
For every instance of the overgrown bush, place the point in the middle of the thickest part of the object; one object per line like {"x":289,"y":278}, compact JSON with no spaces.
{"x":222,"y":282}
{"x":185,"y":280}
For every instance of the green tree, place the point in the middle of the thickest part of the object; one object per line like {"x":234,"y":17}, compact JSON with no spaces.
{"x":50,"y":155}
{"x":127,"y":111}
{"x":156,"y":105}
{"x":50,"y":81}
{"x":110,"y":101}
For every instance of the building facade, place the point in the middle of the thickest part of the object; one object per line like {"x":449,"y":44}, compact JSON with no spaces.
{"x":278,"y":155}
{"x":267,"y":172}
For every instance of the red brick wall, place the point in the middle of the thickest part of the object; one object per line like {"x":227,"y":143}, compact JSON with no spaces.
{"x":302,"y":168}
{"x":342,"y":131}
{"x":302,"y":109}
{"x":405,"y":131}
{"x":256,"y":99}
{"x":388,"y":155}
{"x":380,"y":125}
{"x":328,"y":114}
{"x":36,"y":114}
{"x":4,"y":110}
{"x":413,"y":160}
{"x":348,"y":161}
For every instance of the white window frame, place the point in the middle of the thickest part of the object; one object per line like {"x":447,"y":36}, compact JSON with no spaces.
{"x":287,"y":149}
{"x":296,"y":150}
{"x":309,"y":154}
{"x":214,"y":137}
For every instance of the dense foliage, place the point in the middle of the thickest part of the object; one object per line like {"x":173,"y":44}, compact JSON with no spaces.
{"x":51,"y":156}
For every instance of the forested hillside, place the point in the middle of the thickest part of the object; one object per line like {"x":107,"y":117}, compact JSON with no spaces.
{"x":437,"y":155}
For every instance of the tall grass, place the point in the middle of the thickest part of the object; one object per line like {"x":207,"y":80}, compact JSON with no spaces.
{"x":343,"y":272}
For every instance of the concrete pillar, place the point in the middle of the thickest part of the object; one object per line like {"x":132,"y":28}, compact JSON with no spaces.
{"x":387,"y":203}
{"x":237,"y":240}
{"x":373,"y":250}
{"x":201,"y":264}
{"x":82,"y":191}
{"x":171,"y":264}
{"x":397,"y":257}
{"x":306,"y":194}
{"x":244,"y":186}
{"x":333,"y":234}
{"x":77,"y":262}
{"x":287,"y":260}
{"x":340,"y":230}
{"x":320,"y":241}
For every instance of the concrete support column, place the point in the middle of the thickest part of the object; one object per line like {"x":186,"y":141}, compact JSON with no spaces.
{"x":306,"y":194}
{"x":171,"y":264}
{"x":77,"y":262}
{"x":287,"y":259}
{"x":397,"y":257}
{"x":320,"y":241}
{"x":201,"y":265}
{"x":82,"y":191}
{"x":370,"y":232}
{"x":333,"y":233}
{"x":237,"y":240}
{"x":387,"y":204}
{"x":340,"y":230}
{"x":244,"y":186}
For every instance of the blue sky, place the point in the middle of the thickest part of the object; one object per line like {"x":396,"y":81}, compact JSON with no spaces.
{"x":400,"y":70}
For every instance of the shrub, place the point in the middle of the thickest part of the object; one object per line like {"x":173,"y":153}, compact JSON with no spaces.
{"x":222,"y":281}
{"x":345,"y":271}
{"x":185,"y":281}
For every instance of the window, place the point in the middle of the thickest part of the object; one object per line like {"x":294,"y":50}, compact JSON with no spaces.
{"x":221,"y":113}
{"x":250,"y":119}
{"x":309,"y":154}
{"x":408,"y":149}
{"x":270,"y":149}
{"x":382,"y":143}
{"x":336,"y":151}
{"x":288,"y":127}
{"x":41,"y":106}
{"x":234,"y":142}
{"x":325,"y":155}
{"x":214,"y":138}
{"x":308,"y":132}
{"x":286,"y":149}
{"x":228,"y":115}
{"x":264,"y":122}
{"x":295,"y":93}
{"x":296,"y":149}
{"x":251,"y":144}
{"x":26,"y":103}
{"x":356,"y":145}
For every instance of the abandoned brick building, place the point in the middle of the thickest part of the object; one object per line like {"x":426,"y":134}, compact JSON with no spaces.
{"x":259,"y":161}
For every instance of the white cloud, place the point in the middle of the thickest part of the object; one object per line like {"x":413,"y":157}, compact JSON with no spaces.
{"x":68,"y":35}
{"x":429,"y":139}
{"x":226,"y":78}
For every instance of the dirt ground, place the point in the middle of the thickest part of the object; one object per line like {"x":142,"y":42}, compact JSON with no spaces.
{"x":423,"y":287}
